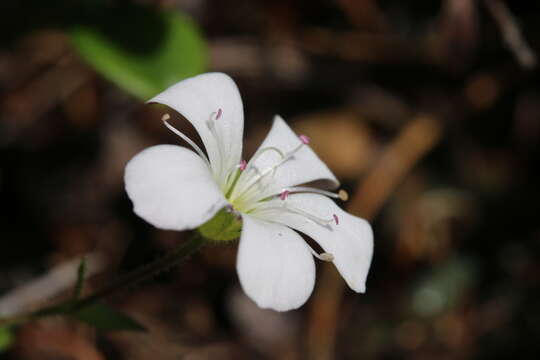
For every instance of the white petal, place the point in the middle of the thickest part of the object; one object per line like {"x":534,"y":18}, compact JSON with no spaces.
{"x":196,"y":99}
{"x":350,"y":241}
{"x":305,"y":166}
{"x":171,"y":187}
{"x":274,"y":264}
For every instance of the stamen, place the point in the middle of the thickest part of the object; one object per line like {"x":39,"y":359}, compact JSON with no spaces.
{"x":343,"y":195}
{"x":336,"y":219}
{"x":322,"y":256}
{"x":326,"y":257}
{"x":221,"y":148}
{"x":306,"y":189}
{"x":263,"y":150}
{"x":272,"y":168}
{"x":304,"y":139}
{"x":260,"y":174}
{"x":310,"y":216}
{"x":243,"y":164}
{"x":288,"y":207}
{"x":231,"y":181}
{"x":166,"y":117}
{"x":284,"y":194}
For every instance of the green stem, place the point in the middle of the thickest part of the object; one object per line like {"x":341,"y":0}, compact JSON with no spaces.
{"x":147,"y":271}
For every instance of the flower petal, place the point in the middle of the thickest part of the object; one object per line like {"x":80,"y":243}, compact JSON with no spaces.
{"x":171,"y":187}
{"x":350,"y":241}
{"x":199,"y":99}
{"x":303,"y":167}
{"x":274,"y":264}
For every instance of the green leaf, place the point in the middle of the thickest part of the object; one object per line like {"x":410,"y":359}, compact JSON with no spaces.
{"x":103,"y":317}
{"x":142,"y":51}
{"x":6,"y":338}
{"x":81,"y":272}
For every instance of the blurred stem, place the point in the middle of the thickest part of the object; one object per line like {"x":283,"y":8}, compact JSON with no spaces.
{"x":165,"y":263}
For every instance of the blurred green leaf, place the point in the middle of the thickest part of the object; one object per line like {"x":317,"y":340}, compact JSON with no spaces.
{"x":103,"y":317}
{"x":6,"y":338}
{"x":142,"y":51}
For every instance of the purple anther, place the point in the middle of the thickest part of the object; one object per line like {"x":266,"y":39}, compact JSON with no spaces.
{"x":304,"y":139}
{"x":219,"y":112}
{"x":229,"y":208}
{"x":284,"y":194}
{"x":336,"y":219}
{"x":243,"y":165}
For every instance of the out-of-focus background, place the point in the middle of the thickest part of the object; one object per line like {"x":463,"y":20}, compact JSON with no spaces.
{"x":428,"y":111}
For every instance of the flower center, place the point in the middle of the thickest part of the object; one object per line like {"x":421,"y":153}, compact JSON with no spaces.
{"x":252,"y":184}
{"x":244,"y":184}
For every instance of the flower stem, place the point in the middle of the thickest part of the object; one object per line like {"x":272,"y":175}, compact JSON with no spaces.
{"x":165,"y":263}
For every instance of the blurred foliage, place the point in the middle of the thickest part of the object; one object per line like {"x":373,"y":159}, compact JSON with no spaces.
{"x":6,"y":338}
{"x":146,"y":63}
{"x":140,"y":48}
{"x":104,"y":317}
{"x":441,"y":291}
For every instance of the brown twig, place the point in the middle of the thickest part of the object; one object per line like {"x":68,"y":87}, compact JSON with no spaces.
{"x":397,"y":160}
{"x":511,"y":33}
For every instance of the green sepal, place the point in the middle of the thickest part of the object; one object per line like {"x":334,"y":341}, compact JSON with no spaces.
{"x":224,"y":226}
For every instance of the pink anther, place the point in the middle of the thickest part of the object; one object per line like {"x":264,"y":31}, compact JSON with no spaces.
{"x":304,"y":139}
{"x":284,"y":194}
{"x":336,"y":219}
{"x":243,"y":165}
{"x":219,"y":112}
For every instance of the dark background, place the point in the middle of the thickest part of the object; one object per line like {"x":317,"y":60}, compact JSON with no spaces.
{"x":428,"y":111}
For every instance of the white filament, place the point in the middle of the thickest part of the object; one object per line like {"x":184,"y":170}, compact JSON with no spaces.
{"x":270,"y":170}
{"x":185,"y":138}
{"x":306,"y":189}
{"x":288,"y":207}
{"x":221,"y":148}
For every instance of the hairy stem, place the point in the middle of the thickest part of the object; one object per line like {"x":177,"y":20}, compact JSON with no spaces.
{"x":147,"y":271}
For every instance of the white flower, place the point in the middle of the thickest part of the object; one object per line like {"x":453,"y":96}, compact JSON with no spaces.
{"x":174,"y":188}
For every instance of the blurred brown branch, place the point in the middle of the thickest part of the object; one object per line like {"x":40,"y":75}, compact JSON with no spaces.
{"x":511,"y":33}
{"x":416,"y":139}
